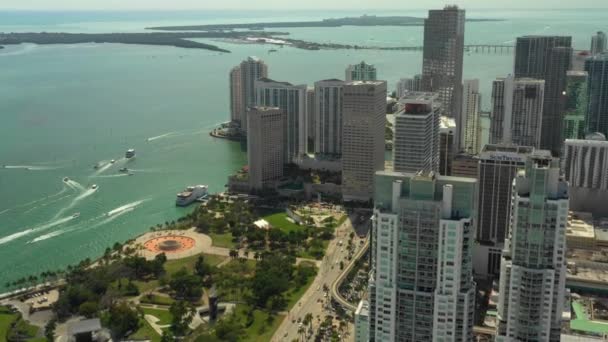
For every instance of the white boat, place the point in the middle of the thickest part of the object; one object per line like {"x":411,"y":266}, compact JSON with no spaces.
{"x":76,"y":215}
{"x":112,"y":161}
{"x":130,"y":153}
{"x":94,"y":187}
{"x":191,"y":194}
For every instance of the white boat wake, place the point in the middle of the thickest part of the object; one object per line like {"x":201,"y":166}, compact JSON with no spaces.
{"x":45,"y":226}
{"x":83,"y":195}
{"x":129,"y":206}
{"x":105,"y":165}
{"x":166,"y":135}
{"x":109,"y":217}
{"x":74,"y":185}
{"x":25,"y":205}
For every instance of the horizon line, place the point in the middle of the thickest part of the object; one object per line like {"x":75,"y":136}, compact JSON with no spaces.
{"x":159,"y":9}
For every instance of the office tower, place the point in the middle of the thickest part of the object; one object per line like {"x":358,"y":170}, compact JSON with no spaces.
{"x":292,"y":100}
{"x":498,"y":165}
{"x":362,"y":322}
{"x":405,"y":85}
{"x":360,"y":72}
{"x":597,"y":88}
{"x":421,"y":282}
{"x":250,"y":70}
{"x":416,"y":137}
{"x":547,"y":58}
{"x":328,"y":122}
{"x":465,"y":165}
{"x":443,"y":58}
{"x":576,"y":105}
{"x":447,"y":132}
{"x":517,"y":109}
{"x":236,"y":94}
{"x":311,"y":117}
{"x":586,"y":170}
{"x":533,"y":268}
{"x":483,"y":134}
{"x":598,"y":43}
{"x":363,"y":125}
{"x":265,"y":145}
{"x":471,"y":103}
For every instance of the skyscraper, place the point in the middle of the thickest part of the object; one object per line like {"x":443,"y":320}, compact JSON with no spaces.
{"x":328,"y":122}
{"x":597,"y":87}
{"x":517,"y":109}
{"x":598,"y":43}
{"x":533,"y":267}
{"x":498,"y":165}
{"x":265,"y":145}
{"x":443,"y":58}
{"x":292,"y":100}
{"x":547,"y":58}
{"x":586,"y":170}
{"x":360,"y":72}
{"x":363,"y":125}
{"x":576,"y":105}
{"x":447,"y":137}
{"x":471,"y":102}
{"x":405,"y":85}
{"x":416,"y":138}
{"x":421,"y":282}
{"x":251,"y":70}
{"x":236,"y":94}
{"x":311,"y":117}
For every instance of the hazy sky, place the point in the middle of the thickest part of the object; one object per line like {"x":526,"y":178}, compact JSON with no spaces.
{"x":290,"y":4}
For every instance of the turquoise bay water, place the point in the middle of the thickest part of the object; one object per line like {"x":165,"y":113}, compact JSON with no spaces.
{"x":64,"y":108}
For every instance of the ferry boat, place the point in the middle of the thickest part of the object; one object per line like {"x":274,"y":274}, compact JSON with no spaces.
{"x":191,"y":194}
{"x":130,"y":153}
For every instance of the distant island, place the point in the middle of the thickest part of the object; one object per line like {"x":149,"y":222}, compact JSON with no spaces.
{"x":176,"y":39}
{"x":365,"y":20}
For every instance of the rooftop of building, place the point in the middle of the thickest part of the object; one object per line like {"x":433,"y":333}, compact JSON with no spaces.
{"x":580,"y":224}
{"x":446,"y":123}
{"x":269,"y":80}
{"x":419,"y":97}
{"x":601,"y":229}
{"x":577,"y":73}
{"x":590,"y":139}
{"x":361,"y":83}
{"x":85,"y":326}
{"x":507,"y":148}
{"x":362,"y":308}
{"x":330,"y":80}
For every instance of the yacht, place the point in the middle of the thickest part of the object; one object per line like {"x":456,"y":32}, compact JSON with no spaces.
{"x":123,"y":170}
{"x":76,"y":215}
{"x":130,"y":153}
{"x":94,"y":187}
{"x":191,"y":194}
{"x":112,"y":161}
{"x":66,"y":179}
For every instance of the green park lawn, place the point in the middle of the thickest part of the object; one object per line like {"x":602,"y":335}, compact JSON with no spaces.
{"x":222,"y":240}
{"x":173,"y":266}
{"x":156,"y":299}
{"x":6,"y":318}
{"x":164,"y":316}
{"x":280,"y":220}
{"x":261,"y":330}
{"x":145,"y":332}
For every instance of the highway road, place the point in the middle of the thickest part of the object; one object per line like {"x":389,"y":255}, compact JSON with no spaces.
{"x":315,"y":299}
